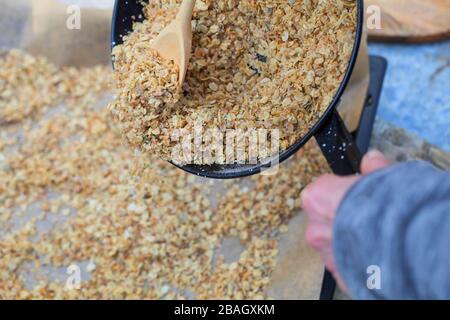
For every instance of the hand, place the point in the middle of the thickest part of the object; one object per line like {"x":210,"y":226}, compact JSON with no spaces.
{"x":321,"y":200}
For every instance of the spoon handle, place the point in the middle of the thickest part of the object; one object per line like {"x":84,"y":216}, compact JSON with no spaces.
{"x":186,"y":10}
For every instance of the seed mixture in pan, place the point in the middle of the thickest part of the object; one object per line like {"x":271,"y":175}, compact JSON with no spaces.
{"x":73,"y":196}
{"x":256,"y":64}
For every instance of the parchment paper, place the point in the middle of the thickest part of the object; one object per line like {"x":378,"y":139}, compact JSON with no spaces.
{"x":40,"y":28}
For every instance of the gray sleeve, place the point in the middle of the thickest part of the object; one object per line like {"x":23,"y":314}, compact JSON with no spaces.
{"x":392,"y":234}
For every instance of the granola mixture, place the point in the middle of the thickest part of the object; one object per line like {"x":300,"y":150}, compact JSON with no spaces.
{"x":152,"y":82}
{"x":255,"y":64}
{"x":72,"y":195}
{"x":35,"y":86}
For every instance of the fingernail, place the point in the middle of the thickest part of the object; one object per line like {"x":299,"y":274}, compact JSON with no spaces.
{"x":310,"y":203}
{"x":306,"y":202}
{"x":303,"y":196}
{"x":373,"y":154}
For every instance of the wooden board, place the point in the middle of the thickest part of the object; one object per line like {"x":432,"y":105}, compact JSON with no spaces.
{"x":412,"y":20}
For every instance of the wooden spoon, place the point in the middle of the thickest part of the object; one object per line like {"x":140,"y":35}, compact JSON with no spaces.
{"x":175,"y":41}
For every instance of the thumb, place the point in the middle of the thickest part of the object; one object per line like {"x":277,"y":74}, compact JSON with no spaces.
{"x":374,"y":160}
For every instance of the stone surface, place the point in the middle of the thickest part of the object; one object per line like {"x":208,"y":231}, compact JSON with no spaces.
{"x":416,"y":93}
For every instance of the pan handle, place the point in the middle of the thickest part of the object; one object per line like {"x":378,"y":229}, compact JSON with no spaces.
{"x":344,"y":158}
{"x":338,"y":146}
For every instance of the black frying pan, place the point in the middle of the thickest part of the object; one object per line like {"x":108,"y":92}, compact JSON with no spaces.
{"x":335,"y":141}
{"x":333,"y":138}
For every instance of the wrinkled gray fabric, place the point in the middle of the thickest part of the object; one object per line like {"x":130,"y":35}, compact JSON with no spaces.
{"x":397,"y":219}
